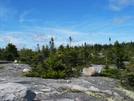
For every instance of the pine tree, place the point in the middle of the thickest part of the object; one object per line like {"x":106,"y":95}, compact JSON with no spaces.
{"x":11,"y":52}
{"x":119,"y":54}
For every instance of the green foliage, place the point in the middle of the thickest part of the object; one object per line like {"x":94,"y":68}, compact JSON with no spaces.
{"x":26,"y":55}
{"x":53,"y":74}
{"x":132,"y":65}
{"x":100,"y":60}
{"x":32,"y":74}
{"x":45,"y":52}
{"x":106,"y":67}
{"x":1,"y":67}
{"x":54,"y":63}
{"x":113,"y":73}
{"x":50,"y":62}
{"x":119,"y":54}
{"x":132,"y":62}
{"x":127,"y":81}
{"x":11,"y":52}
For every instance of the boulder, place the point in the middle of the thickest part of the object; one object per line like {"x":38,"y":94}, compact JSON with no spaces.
{"x":26,"y":70}
{"x":88,"y":71}
{"x":15,"y":61}
{"x":95,"y":70}
{"x":15,"y":92}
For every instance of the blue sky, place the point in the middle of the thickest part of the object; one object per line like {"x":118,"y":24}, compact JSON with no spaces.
{"x":27,"y":23}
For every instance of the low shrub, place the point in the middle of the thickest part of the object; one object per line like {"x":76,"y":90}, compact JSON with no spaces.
{"x":32,"y":74}
{"x":127,"y":81}
{"x":132,"y":65}
{"x":98,"y":60}
{"x":113,"y":73}
{"x":106,"y":67}
{"x":53,"y":74}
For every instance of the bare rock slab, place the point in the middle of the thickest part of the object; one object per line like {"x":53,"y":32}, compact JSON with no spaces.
{"x":15,"y":92}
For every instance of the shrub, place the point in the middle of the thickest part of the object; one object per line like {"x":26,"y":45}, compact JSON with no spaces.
{"x":32,"y":74}
{"x":53,"y":74}
{"x":113,"y":73}
{"x":132,"y":65}
{"x":127,"y":81}
{"x":106,"y":67}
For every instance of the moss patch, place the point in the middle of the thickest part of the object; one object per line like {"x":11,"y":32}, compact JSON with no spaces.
{"x":1,"y":67}
{"x":126,"y":92}
{"x":98,"y":95}
{"x":103,"y":96}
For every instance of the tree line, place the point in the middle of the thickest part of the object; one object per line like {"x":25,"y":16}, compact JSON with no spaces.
{"x":51,"y":62}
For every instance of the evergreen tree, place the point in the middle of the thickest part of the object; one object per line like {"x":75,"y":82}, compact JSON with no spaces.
{"x":11,"y":52}
{"x":52,"y":49}
{"x":119,"y":54}
{"x":45,"y":51}
{"x":70,"y":39}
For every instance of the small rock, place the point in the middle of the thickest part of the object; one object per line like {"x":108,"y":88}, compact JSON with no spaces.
{"x":15,"y":61}
{"x":46,"y":90}
{"x":73,"y":69}
{"x":26,"y":70}
{"x":68,"y":81}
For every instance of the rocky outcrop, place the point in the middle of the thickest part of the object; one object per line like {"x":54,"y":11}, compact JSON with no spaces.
{"x":94,"y":70}
{"x":14,"y":85}
{"x":15,"y":92}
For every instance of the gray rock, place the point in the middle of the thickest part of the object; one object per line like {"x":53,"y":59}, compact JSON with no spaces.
{"x":66,"y":100}
{"x":15,"y":92}
{"x":94,"y":70}
{"x":94,"y":89}
{"x":127,"y":62}
{"x":15,"y":61}
{"x":26,"y":70}
{"x":117,"y":95}
{"x":88,"y":71}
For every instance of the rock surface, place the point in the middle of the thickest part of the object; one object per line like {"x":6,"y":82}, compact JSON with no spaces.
{"x":78,"y":89}
{"x":15,"y":92}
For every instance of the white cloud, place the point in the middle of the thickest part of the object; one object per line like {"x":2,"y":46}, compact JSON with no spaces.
{"x":40,"y":37}
{"x":118,"y":22}
{"x":64,"y":43}
{"x":23,"y":16}
{"x":13,"y":37}
{"x":118,"y":5}
{"x":6,"y":11}
{"x":122,"y":21}
{"x":20,"y":45}
{"x":114,"y":7}
{"x":44,"y":38}
{"x":6,"y":39}
{"x":60,"y":31}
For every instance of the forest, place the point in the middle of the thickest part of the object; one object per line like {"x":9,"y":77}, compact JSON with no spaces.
{"x":68,"y":61}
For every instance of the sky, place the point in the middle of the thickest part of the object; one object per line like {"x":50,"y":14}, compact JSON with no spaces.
{"x":26,"y":23}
